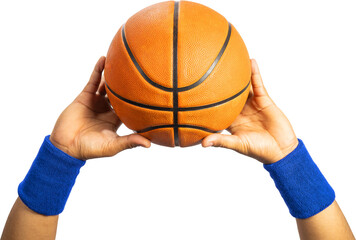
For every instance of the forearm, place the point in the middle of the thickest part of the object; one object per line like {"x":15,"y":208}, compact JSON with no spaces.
{"x":42,"y":194}
{"x":25,"y":224}
{"x":309,"y":197}
{"x":328,"y":224}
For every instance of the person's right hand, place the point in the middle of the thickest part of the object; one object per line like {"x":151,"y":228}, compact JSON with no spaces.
{"x":261,"y":130}
{"x":87,"y":127}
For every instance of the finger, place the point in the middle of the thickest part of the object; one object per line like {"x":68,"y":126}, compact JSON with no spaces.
{"x":94,"y":81}
{"x":222,"y":140}
{"x":130,"y":141}
{"x":101,"y":89}
{"x":250,"y":93}
{"x":258,"y":88}
{"x":108,"y":102}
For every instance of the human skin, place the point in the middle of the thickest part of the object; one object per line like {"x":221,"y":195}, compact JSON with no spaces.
{"x":263,"y":132}
{"x":87,"y":129}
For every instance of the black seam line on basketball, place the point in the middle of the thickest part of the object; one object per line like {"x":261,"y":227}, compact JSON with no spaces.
{"x":142,"y":105}
{"x":214,"y":104}
{"x":175,"y":73}
{"x":182,"y":89}
{"x":212,"y":66}
{"x":138,"y":67}
{"x":181,"y":126}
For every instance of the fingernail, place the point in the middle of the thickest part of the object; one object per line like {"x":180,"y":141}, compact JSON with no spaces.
{"x":209,"y":144}
{"x":142,"y":145}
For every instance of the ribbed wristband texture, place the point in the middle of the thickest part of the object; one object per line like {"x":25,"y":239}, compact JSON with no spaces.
{"x":301,"y":184}
{"x":50,"y":179}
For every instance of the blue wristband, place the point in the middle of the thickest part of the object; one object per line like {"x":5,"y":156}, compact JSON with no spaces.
{"x":301,"y":184}
{"x":49,"y":181}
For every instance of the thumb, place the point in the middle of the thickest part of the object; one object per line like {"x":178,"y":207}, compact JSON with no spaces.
{"x":130,"y":141}
{"x":222,"y":140}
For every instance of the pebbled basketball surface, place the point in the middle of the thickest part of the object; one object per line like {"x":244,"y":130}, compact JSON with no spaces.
{"x":177,"y":72}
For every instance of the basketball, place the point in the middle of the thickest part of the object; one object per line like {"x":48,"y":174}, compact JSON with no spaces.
{"x":176,"y":72}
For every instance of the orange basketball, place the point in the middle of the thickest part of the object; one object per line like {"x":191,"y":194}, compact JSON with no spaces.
{"x":177,"y":72}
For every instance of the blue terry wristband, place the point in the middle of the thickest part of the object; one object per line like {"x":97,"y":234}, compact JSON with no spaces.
{"x":301,"y":184}
{"x":49,"y":181}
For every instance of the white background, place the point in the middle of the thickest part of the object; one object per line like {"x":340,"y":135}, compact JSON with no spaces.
{"x":306,"y":51}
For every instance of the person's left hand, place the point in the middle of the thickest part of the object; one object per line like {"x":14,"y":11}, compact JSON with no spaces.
{"x":87,"y":127}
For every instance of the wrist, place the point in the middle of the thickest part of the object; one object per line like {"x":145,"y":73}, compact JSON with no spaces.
{"x":286,"y":150}
{"x":58,"y":145}
{"x":64,"y":148}
{"x":303,"y":187}
{"x":50,"y":179}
